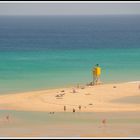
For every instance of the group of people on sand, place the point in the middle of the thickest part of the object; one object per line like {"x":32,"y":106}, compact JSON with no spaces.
{"x":96,"y":71}
{"x":74,"y":110}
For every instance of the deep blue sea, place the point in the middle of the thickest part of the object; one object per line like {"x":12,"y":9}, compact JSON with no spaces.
{"x":41,"y":52}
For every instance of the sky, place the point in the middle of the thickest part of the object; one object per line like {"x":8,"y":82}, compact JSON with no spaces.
{"x":69,"y":8}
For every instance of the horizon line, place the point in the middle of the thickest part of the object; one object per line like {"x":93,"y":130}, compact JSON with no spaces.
{"x":70,"y":2}
{"x":68,"y":14}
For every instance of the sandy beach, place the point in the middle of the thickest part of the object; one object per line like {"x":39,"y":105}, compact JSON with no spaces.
{"x":30,"y":113}
{"x":118,"y":97}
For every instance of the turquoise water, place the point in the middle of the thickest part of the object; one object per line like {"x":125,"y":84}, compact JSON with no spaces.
{"x":58,"y":51}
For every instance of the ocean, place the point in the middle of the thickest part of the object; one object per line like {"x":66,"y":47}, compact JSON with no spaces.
{"x":43,"y":52}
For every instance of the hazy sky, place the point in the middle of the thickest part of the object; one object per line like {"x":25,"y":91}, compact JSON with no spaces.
{"x":68,"y":8}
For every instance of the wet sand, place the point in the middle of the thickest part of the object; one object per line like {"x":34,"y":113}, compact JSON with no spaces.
{"x":43,"y":124}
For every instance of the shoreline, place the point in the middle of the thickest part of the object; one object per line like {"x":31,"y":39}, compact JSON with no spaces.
{"x":61,"y":87}
{"x":64,"y":87}
{"x":97,"y":98}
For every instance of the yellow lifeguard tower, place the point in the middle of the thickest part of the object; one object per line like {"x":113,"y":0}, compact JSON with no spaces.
{"x":96,"y":74}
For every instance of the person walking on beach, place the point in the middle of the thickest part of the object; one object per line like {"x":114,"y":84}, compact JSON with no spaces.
{"x":96,"y":74}
{"x":64,"y":108}
{"x":8,"y":118}
{"x":104,"y":121}
{"x":79,"y":107}
{"x":73,"y":91}
{"x":73,"y":110}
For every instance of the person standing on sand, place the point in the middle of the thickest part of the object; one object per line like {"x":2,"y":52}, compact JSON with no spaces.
{"x":79,"y":107}
{"x":73,"y":91}
{"x":104,"y":121}
{"x":8,"y":118}
{"x":73,"y":110}
{"x":64,"y":108}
